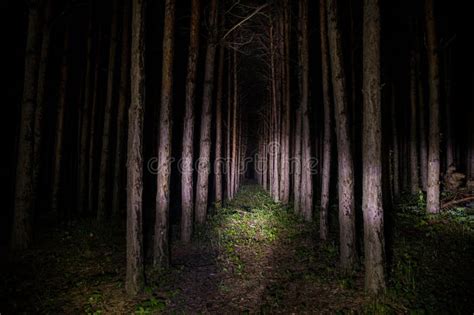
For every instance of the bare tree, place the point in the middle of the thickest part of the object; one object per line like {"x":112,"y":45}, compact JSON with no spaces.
{"x":372,"y":207}
{"x":161,"y":244}
{"x":134,"y":272}
{"x":345,"y":162}
{"x":188,"y":132}
{"x":218,"y":158}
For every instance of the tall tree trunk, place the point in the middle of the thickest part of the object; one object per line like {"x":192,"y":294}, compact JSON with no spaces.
{"x":123,"y":102}
{"x":40,"y":96}
{"x":188,"y":131}
{"x":274,"y":128}
{"x":93,"y":125}
{"x":218,"y":160}
{"x":24,"y":202}
{"x":234,"y":125}
{"x":229,"y":128}
{"x":60,"y":118}
{"x":448,"y":104}
{"x":104,"y":173}
{"x":395,"y":150}
{"x":306,"y":179}
{"x":161,"y":245}
{"x":326,"y":172}
{"x":134,"y":272}
{"x":432,"y":200}
{"x":202,"y":189}
{"x":422,"y":124}
{"x":286,"y":114}
{"x":374,"y":241}
{"x":414,"y":182}
{"x":85,"y":122}
{"x":345,"y":162}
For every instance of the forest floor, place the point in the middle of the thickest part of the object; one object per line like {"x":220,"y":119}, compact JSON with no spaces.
{"x":253,"y":256}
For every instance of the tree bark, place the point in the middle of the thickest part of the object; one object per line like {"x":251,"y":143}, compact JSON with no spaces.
{"x":432,"y":200}
{"x":40,"y":96}
{"x":414,"y":182}
{"x":188,"y":131}
{"x":123,"y":103}
{"x":218,"y":159}
{"x":345,"y":162}
{"x":395,"y":149}
{"x":422,"y":124}
{"x":326,"y":171}
{"x":161,"y":236}
{"x":374,"y":241}
{"x":202,"y":189}
{"x":134,"y":280}
{"x":24,"y":202}
{"x":85,"y":122}
{"x":59,"y":135}
{"x":104,"y":172}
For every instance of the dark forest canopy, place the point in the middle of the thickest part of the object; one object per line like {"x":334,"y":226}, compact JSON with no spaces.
{"x":150,"y":124}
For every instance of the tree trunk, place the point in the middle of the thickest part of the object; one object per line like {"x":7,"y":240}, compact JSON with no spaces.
{"x":306,"y":179}
{"x":40,"y":96}
{"x":202,"y":189}
{"x":123,"y":102}
{"x":93,"y":125}
{"x":59,"y":135}
{"x":345,"y":162}
{"x":229,"y":128}
{"x":448,"y":104}
{"x":134,"y":273}
{"x":234,"y":126}
{"x":432,"y":200}
{"x":161,"y":245}
{"x":395,"y":150}
{"x":106,"y":132}
{"x":188,"y":131}
{"x":374,"y":241}
{"x":22,"y":216}
{"x":414,"y":182}
{"x":218,"y":160}
{"x":422,"y":126}
{"x":85,"y":123}
{"x":326,"y":171}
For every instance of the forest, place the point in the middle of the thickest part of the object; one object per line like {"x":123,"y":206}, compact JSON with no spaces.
{"x":237,"y":156}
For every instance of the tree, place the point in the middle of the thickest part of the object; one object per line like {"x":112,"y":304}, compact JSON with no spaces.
{"x":326,"y":172}
{"x":161,"y":245}
{"x":202,"y":188}
{"x":21,"y":230}
{"x":218,"y":159}
{"x":41,"y":95}
{"x":106,"y":137}
{"x":344,"y":162}
{"x":86,"y":115}
{"x":134,"y":272}
{"x":188,"y":131}
{"x":414,"y":182}
{"x":372,"y":151}
{"x":123,"y":102}
{"x":59,"y":134}
{"x":395,"y":154}
{"x":432,"y":198}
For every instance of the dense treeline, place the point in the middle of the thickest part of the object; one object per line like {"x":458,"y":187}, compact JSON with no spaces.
{"x":155,"y":113}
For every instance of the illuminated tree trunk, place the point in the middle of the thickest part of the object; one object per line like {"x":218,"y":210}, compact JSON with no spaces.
{"x":306,"y":179}
{"x":59,"y":135}
{"x":40,"y":96}
{"x":134,"y":280}
{"x":218,"y":160}
{"x":106,"y":131}
{"x":124,"y":99}
{"x":22,"y":216}
{"x":432,"y":200}
{"x":188,"y":132}
{"x":234,"y":126}
{"x":372,"y":207}
{"x":414,"y":182}
{"x":345,"y":162}
{"x":85,"y":123}
{"x":229,"y":129}
{"x":326,"y":170}
{"x":161,"y":244}
{"x":202,"y":189}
